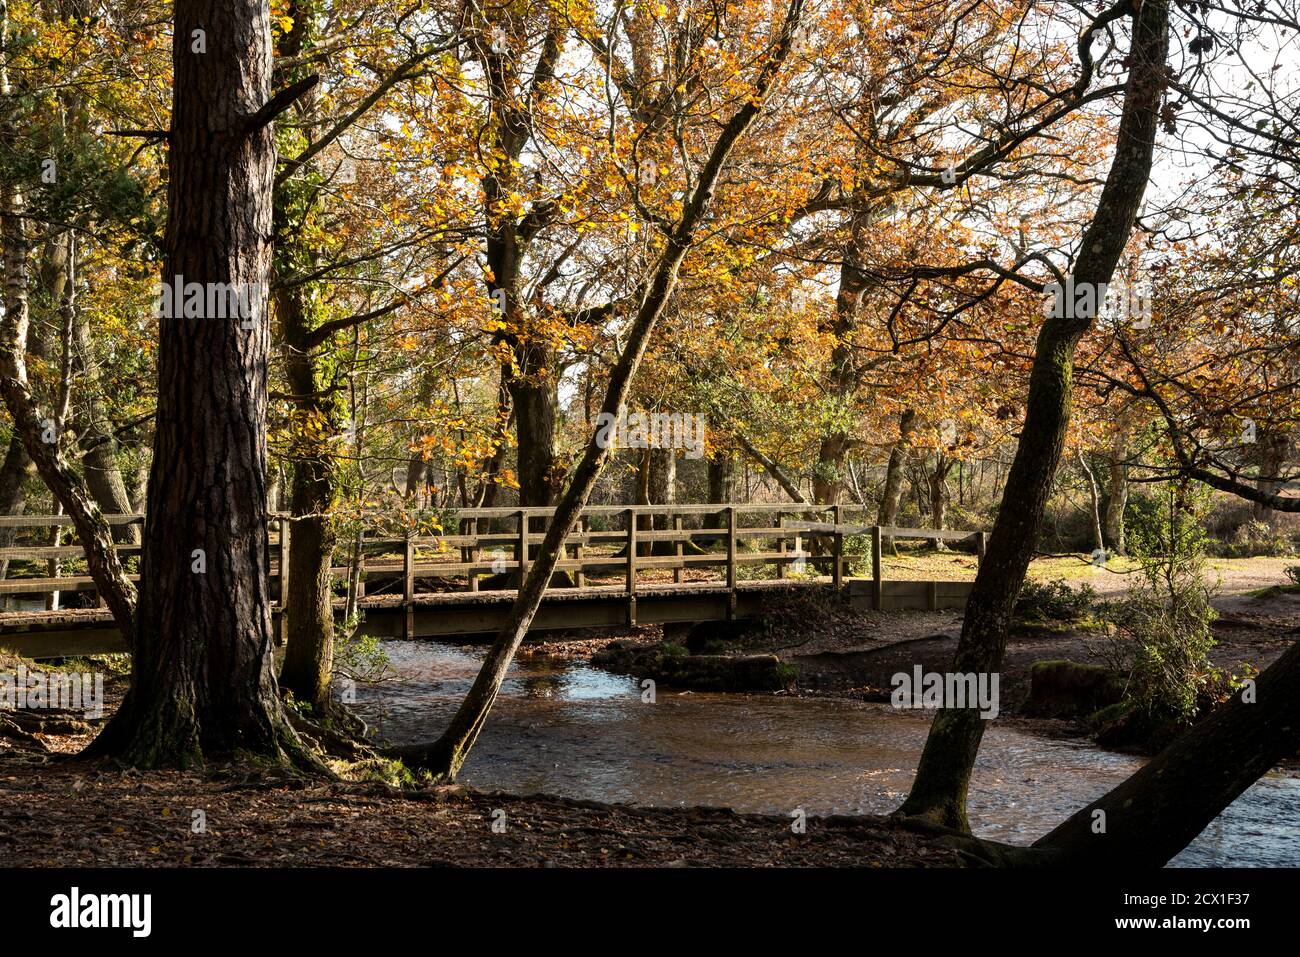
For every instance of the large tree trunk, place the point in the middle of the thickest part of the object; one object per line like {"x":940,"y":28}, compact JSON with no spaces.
{"x":446,"y":755}
{"x":943,"y":775}
{"x":1271,"y":454}
{"x":535,"y":406}
{"x":203,"y":683}
{"x":308,"y":668}
{"x":892,"y":494}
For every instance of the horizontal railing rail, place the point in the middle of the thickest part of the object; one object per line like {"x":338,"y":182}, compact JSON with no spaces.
{"x":650,"y":538}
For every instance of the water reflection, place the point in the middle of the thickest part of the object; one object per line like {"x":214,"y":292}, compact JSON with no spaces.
{"x":577,"y":731}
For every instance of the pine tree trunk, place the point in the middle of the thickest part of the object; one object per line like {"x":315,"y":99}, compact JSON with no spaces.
{"x":203,"y":684}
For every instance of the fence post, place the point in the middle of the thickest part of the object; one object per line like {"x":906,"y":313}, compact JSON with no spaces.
{"x":731,"y":562}
{"x":472,"y":552}
{"x":580,"y":551}
{"x":837,"y":570}
{"x":877,"y":582}
{"x":408,"y":585}
{"x":521,"y":550}
{"x":678,"y":527}
{"x":981,"y":546}
{"x":285,"y":525}
{"x":780,"y":545}
{"x":631,"y":567}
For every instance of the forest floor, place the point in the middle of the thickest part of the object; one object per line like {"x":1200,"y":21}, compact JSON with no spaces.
{"x":58,"y":810}
{"x":56,"y":813}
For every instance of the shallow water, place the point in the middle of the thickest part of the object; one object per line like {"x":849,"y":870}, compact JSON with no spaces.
{"x":569,"y":729}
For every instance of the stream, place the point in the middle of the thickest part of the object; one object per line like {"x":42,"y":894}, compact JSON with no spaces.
{"x":568,"y":729}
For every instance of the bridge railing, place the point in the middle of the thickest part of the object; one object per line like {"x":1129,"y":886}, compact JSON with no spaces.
{"x":613,"y":547}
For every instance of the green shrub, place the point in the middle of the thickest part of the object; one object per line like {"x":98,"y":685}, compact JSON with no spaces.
{"x":1162,"y":638}
{"x":1253,"y":539}
{"x":1054,"y":600}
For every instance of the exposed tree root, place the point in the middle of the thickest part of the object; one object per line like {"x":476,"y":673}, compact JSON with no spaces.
{"x":13,"y":731}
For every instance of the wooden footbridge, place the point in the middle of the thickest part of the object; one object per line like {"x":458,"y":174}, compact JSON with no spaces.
{"x":622,"y":566}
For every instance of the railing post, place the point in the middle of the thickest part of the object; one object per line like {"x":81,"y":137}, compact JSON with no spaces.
{"x":471,"y":551}
{"x":408,"y":586}
{"x":780,"y":545}
{"x":837,"y":570}
{"x":678,"y":527}
{"x":731,"y":562}
{"x":981,"y":546}
{"x":285,"y":525}
{"x":361,"y":564}
{"x":877,"y":578}
{"x":521,"y":550}
{"x":580,"y":551}
{"x":631,"y":567}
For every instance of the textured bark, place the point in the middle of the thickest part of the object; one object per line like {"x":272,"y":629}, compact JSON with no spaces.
{"x":533,"y":395}
{"x":203,"y":683}
{"x":416,"y":469}
{"x":892,"y":494}
{"x":943,"y":775}
{"x":14,"y":472}
{"x":446,"y":755}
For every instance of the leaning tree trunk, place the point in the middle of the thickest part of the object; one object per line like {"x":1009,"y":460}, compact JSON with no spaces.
{"x":943,"y":775}
{"x":892,"y":495}
{"x":445,"y":756}
{"x":29,"y":421}
{"x":100,"y":461}
{"x":203,"y":683}
{"x":1158,"y":811}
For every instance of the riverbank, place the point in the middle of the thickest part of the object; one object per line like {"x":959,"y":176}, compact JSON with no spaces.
{"x":826,"y":649}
